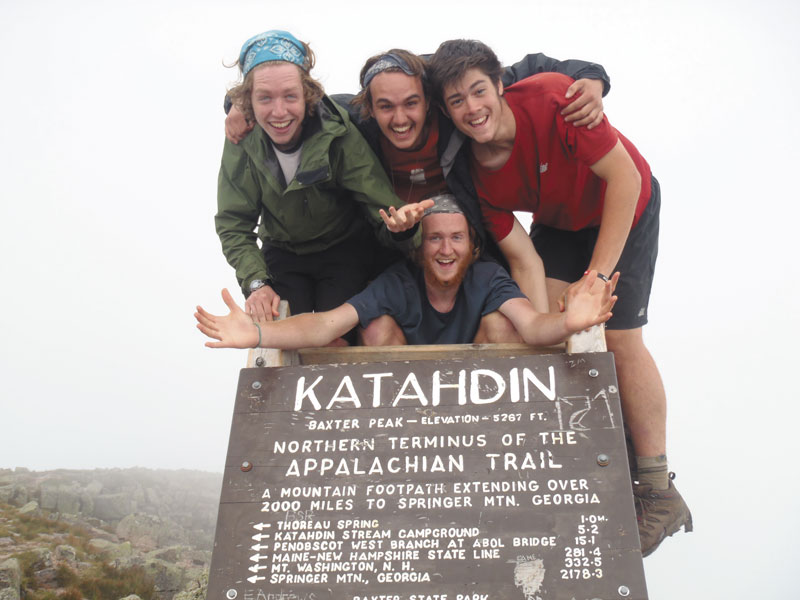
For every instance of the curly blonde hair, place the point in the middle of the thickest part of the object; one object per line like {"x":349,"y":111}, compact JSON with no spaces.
{"x":241,"y":95}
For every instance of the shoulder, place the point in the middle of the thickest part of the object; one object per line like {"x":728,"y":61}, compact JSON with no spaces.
{"x":394,"y":290}
{"x":330,"y":129}
{"x":484,"y":273}
{"x":542,"y":83}
{"x":492,"y":276}
{"x":403,"y":272}
{"x":236,"y":156}
{"x":365,"y":125}
{"x":538,"y":90}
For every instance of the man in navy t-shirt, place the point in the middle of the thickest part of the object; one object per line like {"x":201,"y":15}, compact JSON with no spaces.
{"x":439,"y":297}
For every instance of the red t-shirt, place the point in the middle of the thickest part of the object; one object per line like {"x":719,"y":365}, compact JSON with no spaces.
{"x":415,"y":173}
{"x":548,"y":171}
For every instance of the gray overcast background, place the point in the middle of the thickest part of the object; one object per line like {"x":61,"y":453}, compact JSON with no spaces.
{"x":111,"y":129}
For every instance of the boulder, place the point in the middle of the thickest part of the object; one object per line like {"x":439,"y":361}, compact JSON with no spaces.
{"x":48,"y":496}
{"x":66,"y":553}
{"x":68,"y":500}
{"x":10,"y":575}
{"x":94,"y":488}
{"x":152,"y":497}
{"x":29,"y":508}
{"x":169,"y":579}
{"x":110,"y":549}
{"x":14,"y":494}
{"x":5,"y":493}
{"x":111,"y":507}
{"x":148,"y":532}
{"x":43,"y":559}
{"x":87,"y":502}
{"x":197,"y":588}
{"x":46,"y":578}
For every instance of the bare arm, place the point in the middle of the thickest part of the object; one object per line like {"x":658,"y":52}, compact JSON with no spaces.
{"x":526,"y":266}
{"x":308,"y":330}
{"x":588,"y":304}
{"x":623,"y":185}
{"x":236,"y":125}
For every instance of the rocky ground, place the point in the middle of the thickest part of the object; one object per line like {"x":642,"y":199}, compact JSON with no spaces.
{"x":106,"y":534}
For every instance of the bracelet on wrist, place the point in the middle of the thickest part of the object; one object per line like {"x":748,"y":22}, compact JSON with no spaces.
{"x":258,"y":344}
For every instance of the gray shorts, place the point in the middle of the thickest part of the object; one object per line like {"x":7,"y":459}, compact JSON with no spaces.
{"x":566,"y":254}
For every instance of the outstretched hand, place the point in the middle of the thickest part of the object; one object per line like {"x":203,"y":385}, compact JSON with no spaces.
{"x":587,"y":108}
{"x":235,"y":330}
{"x":406,"y":216}
{"x":589,"y":301}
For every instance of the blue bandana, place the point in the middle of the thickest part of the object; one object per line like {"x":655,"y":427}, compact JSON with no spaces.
{"x":270,"y":46}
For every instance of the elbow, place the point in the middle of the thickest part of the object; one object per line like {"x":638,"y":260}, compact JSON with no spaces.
{"x":637,"y":177}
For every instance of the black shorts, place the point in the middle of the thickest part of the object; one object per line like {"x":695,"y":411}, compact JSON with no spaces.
{"x":566,"y":254}
{"x":321,"y":280}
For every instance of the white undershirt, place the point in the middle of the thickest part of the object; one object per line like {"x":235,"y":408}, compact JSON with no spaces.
{"x":289,"y":162}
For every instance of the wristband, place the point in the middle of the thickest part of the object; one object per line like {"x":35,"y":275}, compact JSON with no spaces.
{"x":603,"y":277}
{"x":258,"y":345}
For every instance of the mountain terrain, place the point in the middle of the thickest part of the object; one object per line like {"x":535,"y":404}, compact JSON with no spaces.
{"x":106,"y":534}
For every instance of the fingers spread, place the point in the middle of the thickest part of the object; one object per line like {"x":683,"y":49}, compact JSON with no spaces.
{"x":206,"y":320}
{"x":228,"y":299}
{"x":210,"y":332}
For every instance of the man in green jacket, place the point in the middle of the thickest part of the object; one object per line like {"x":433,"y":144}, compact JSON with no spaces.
{"x":306,"y":178}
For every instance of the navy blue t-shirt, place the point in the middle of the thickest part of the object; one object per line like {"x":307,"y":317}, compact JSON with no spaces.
{"x":400,"y":292}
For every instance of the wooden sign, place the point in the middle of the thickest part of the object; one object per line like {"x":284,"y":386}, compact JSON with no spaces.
{"x":475,"y":479}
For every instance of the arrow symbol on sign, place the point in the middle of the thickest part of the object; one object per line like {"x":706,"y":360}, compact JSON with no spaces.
{"x":261,"y":526}
{"x":260,"y":536}
{"x":257,"y":568}
{"x":258,"y":547}
{"x":258,"y":557}
{"x":255,"y":578}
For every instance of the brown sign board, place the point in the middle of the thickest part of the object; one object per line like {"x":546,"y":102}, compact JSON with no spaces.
{"x":472,"y":479}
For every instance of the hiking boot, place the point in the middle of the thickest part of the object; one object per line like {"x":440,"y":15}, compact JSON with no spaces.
{"x":659,"y":513}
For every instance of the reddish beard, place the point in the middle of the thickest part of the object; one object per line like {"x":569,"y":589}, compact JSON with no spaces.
{"x":455,"y":281}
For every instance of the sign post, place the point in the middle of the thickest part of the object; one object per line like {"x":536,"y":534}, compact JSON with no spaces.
{"x":479,"y":479}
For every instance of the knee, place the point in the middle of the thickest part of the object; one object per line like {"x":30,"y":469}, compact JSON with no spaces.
{"x":625,"y":343}
{"x":383,"y":331}
{"x":495,"y":328}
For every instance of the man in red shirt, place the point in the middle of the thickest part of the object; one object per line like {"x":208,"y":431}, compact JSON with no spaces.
{"x":595,"y":207}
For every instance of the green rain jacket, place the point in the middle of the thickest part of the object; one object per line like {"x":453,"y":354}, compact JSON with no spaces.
{"x":336,"y":193}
